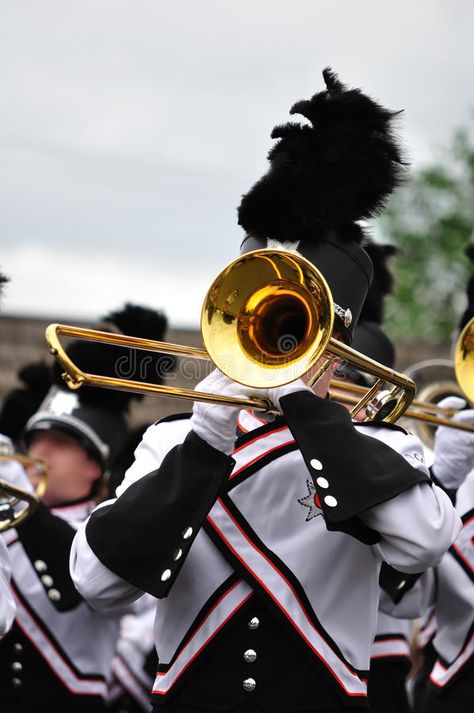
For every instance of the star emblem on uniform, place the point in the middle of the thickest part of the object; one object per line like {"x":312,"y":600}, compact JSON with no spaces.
{"x":311,"y":501}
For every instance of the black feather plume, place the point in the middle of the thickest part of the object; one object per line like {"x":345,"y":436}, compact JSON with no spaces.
{"x":21,"y":403}
{"x":382,"y":283}
{"x":339,"y":170}
{"x":3,"y":281}
{"x":139,"y":321}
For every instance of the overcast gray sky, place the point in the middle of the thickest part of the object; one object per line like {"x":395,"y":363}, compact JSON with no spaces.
{"x":129,"y":129}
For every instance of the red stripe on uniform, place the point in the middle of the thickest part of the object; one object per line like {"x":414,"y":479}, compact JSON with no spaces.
{"x":278,"y":603}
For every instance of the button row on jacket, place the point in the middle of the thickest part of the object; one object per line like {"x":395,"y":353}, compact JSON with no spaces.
{"x":177,"y":554}
{"x":250,"y":656}
{"x":41,"y":567}
{"x":330,"y":500}
{"x":17,"y":666}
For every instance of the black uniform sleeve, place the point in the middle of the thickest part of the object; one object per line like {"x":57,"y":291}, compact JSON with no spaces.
{"x":47,"y":541}
{"x":351,"y":472}
{"x":451,"y":493}
{"x":396,"y":584}
{"x":145,"y":535}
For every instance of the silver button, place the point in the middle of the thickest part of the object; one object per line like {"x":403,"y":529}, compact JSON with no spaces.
{"x":249,"y":684}
{"x":316,"y":464}
{"x":47,"y":580}
{"x":54,"y":595}
{"x":402,"y":584}
{"x":40,"y":566}
{"x":166,"y":575}
{"x":17,"y":648}
{"x":187,"y":533}
{"x":16,"y":682}
{"x":322,"y":482}
{"x":250,"y":656}
{"x":254,"y":623}
{"x":177,"y":554}
{"x":330,"y":501}
{"x":17,"y":667}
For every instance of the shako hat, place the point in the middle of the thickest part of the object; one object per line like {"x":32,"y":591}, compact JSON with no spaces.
{"x":325,"y":177}
{"x":369,"y":337}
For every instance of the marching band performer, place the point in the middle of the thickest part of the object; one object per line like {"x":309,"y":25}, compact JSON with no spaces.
{"x":7,"y":603}
{"x":446,"y":682}
{"x":57,"y":656}
{"x":265,"y":551}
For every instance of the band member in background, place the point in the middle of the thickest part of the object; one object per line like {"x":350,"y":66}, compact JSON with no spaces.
{"x":7,"y":603}
{"x":445,"y":594}
{"x":57,"y":656}
{"x":445,"y":683}
{"x":265,"y":551}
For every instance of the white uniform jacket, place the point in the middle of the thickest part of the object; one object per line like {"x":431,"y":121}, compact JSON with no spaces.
{"x":281,"y":510}
{"x":392,"y":638}
{"x":454,"y":605}
{"x":445,"y":597}
{"x":134,"y":648}
{"x":59,"y":649}
{"x":7,"y":603}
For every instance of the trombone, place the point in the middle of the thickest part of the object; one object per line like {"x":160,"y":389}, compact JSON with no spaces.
{"x":12,"y":513}
{"x":426,"y":410}
{"x":267,"y":319}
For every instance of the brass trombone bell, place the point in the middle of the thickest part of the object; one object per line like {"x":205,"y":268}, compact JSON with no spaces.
{"x":17,"y":504}
{"x":267,"y":319}
{"x":464,"y":360}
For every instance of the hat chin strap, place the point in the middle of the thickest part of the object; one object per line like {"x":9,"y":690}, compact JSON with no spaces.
{"x":344,"y":314}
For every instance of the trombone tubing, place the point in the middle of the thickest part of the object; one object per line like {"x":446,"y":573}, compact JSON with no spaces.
{"x":75,"y":377}
{"x":424,"y":405}
{"x":409,"y":413}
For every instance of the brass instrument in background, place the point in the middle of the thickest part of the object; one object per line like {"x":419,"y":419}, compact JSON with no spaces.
{"x":12,"y":513}
{"x":435,"y":379}
{"x":267,"y":319}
